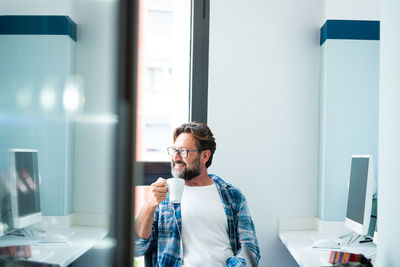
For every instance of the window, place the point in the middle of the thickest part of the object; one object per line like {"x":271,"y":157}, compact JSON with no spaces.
{"x":172,"y":73}
{"x":160,"y":20}
{"x":158,"y":79}
{"x":157,"y":137}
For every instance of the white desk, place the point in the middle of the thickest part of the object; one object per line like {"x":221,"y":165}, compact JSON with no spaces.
{"x":80,"y":239}
{"x":299,"y":242}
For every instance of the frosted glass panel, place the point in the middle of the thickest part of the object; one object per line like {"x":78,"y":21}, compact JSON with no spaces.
{"x":34,"y":70}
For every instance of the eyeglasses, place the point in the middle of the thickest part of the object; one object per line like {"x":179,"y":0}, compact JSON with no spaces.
{"x":182,"y":152}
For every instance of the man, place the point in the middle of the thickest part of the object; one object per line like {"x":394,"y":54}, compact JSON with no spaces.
{"x":211,"y":226}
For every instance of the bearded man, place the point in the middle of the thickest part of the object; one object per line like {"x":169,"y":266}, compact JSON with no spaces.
{"x":211,"y":226}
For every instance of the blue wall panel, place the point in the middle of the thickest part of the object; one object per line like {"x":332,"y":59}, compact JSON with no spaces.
{"x":34,"y":70}
{"x":350,"y":30}
{"x":348,"y":117}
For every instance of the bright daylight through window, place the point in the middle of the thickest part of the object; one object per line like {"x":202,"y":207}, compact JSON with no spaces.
{"x":163,"y":75}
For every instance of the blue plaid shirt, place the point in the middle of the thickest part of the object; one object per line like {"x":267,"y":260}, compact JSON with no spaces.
{"x":165,"y":241}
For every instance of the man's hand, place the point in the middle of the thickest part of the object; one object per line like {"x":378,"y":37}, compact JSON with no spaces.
{"x":158,"y":192}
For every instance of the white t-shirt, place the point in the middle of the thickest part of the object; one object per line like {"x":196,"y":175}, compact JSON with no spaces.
{"x":204,"y":227}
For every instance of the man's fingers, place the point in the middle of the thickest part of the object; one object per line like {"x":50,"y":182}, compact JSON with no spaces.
{"x":160,"y":182}
{"x":159,"y":189}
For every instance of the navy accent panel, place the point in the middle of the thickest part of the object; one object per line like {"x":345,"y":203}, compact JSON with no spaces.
{"x":47,"y":25}
{"x":350,"y":29}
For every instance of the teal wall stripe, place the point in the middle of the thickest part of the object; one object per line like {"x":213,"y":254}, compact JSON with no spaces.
{"x":350,"y":29}
{"x":37,"y":25}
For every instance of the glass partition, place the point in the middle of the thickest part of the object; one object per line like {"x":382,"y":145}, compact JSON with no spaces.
{"x":59,"y":96}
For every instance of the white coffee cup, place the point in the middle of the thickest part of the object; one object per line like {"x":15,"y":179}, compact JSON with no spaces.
{"x":175,"y":189}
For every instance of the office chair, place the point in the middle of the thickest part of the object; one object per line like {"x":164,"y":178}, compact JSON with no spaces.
{"x":148,"y":261}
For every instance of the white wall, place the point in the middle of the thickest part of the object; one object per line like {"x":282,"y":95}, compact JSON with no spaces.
{"x":352,"y":9}
{"x":37,"y":7}
{"x":95,"y":125}
{"x":389,"y":132}
{"x":263,"y":109}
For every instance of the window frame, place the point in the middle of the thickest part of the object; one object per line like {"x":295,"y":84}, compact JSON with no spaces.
{"x":149,"y":171}
{"x":122,"y":223}
{"x":198,"y":94}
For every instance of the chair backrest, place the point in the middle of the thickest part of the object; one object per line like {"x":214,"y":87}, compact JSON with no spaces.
{"x":148,"y":260}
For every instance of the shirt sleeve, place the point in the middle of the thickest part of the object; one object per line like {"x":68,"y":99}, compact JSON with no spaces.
{"x":236,"y":261}
{"x":143,"y":246}
{"x":246,"y":235}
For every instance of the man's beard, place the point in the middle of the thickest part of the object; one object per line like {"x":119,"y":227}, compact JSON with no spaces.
{"x":187,"y":173}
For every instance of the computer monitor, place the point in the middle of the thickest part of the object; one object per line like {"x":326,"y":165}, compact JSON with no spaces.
{"x":25,"y":193}
{"x":361,"y":189}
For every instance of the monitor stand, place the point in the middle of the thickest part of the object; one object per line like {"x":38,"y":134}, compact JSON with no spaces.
{"x":353,"y":237}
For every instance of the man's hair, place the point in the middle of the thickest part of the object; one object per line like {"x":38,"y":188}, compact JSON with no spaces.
{"x":204,"y":137}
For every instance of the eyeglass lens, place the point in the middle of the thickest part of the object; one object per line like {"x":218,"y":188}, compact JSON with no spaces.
{"x":181,"y":152}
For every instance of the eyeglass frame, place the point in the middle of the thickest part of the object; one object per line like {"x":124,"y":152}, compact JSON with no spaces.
{"x":179,"y":150}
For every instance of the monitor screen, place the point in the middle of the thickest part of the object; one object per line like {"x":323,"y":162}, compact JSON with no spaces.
{"x":27,"y":183}
{"x":26,"y":196}
{"x":357,"y":189}
{"x":360,"y":193}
